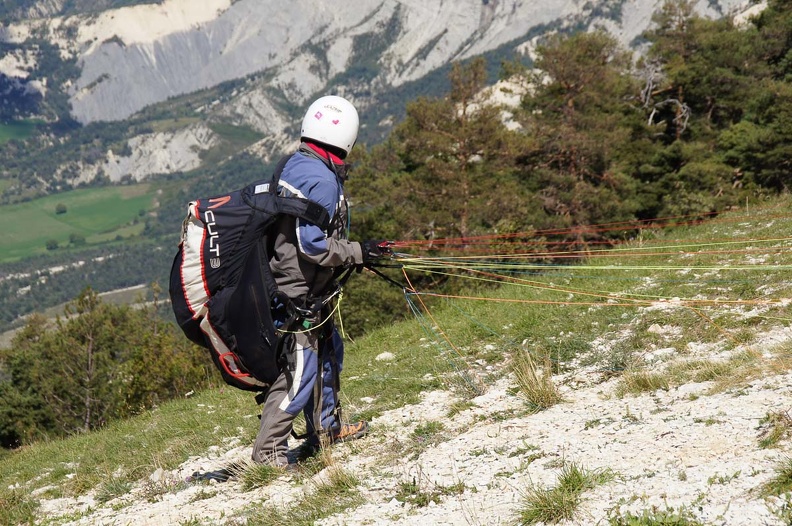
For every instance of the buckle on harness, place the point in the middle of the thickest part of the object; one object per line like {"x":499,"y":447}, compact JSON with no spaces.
{"x":306,"y":317}
{"x":299,"y":316}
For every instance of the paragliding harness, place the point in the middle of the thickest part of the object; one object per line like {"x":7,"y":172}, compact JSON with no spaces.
{"x":222,"y":289}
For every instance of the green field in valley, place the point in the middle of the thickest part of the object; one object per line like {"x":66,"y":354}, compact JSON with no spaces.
{"x":96,"y":214}
{"x":16,"y":130}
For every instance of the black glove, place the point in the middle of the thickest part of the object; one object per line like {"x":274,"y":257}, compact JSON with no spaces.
{"x":375,"y":249}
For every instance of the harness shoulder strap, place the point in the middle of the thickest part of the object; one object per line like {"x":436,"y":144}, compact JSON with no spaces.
{"x":300,"y":207}
{"x":273,"y":188}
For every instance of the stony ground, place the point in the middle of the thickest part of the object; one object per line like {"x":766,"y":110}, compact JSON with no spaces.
{"x":683,"y":448}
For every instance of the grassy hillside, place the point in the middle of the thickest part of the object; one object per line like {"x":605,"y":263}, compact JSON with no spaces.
{"x":96,"y":214}
{"x":677,"y":305}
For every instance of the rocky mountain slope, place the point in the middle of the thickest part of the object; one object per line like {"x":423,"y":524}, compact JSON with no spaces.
{"x":135,"y":56}
{"x":132,"y":57}
{"x":692,"y":451}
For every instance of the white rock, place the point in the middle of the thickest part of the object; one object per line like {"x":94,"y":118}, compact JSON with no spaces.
{"x":385,"y":357}
{"x":158,"y":475}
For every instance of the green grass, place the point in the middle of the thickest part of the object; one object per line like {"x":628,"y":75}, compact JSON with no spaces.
{"x":724,"y":374}
{"x":653,"y":517}
{"x":333,"y":495}
{"x":97,"y":214}
{"x":233,"y":138}
{"x":16,"y":130}
{"x":781,"y":482}
{"x":641,"y":381}
{"x":17,"y":507}
{"x":5,"y":184}
{"x":112,"y":488}
{"x":412,"y":493}
{"x":561,"y":502}
{"x":258,"y":475}
{"x":238,"y":135}
{"x":174,"y":124}
{"x":776,"y":426}
{"x":131,"y":449}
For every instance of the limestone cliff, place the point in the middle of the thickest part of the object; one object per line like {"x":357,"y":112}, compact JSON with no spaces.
{"x":135,"y":56}
{"x":131,"y":57}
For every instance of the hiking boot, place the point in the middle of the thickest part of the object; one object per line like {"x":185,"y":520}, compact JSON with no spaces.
{"x":349,"y":432}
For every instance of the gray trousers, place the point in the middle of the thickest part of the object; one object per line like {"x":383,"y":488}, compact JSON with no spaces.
{"x":287,"y":396}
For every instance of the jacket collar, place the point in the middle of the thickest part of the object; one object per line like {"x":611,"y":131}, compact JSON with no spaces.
{"x":332,"y":161}
{"x":324,"y":154}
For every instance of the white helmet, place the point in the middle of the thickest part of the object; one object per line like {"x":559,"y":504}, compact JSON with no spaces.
{"x":333,"y":121}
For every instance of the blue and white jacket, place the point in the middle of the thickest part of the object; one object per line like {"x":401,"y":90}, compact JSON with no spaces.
{"x":304,"y":257}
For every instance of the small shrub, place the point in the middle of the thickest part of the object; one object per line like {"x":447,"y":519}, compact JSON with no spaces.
{"x":77,"y":239}
{"x":340,"y":487}
{"x":154,"y":491}
{"x":713,"y":370}
{"x":412,"y":493}
{"x":339,"y":480}
{"x":548,"y":505}
{"x":426,"y":432}
{"x":203,"y":494}
{"x":655,"y":518}
{"x":574,"y":478}
{"x":112,"y":488}
{"x":463,"y":381}
{"x":315,"y":461}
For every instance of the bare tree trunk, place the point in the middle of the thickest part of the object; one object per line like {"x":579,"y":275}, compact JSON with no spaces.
{"x":89,"y":375}
{"x":679,"y":114}
{"x":463,"y":220}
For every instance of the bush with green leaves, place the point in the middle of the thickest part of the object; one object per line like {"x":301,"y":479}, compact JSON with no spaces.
{"x":98,"y":362}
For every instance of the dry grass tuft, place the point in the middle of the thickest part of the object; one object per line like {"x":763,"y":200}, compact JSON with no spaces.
{"x":775,"y":427}
{"x":257,"y":475}
{"x":781,"y":483}
{"x":535,"y":383}
{"x":636,"y":381}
